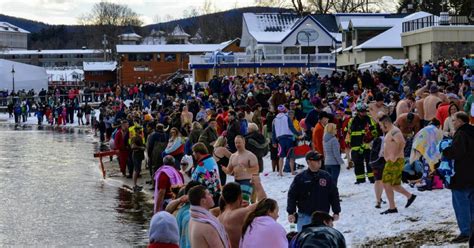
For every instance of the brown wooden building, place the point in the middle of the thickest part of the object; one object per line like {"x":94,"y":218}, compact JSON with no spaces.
{"x":100,"y":73}
{"x":144,"y":63}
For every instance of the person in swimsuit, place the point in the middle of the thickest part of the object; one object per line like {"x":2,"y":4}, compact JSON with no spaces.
{"x":243,"y":165}
{"x":221,"y":154}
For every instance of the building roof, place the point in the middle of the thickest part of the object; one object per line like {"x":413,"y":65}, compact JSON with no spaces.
{"x":275,"y":27}
{"x":391,"y":38}
{"x":132,"y":36}
{"x":344,"y":25}
{"x":328,"y":21}
{"x":8,"y":27}
{"x":100,"y":66}
{"x":179,"y":48}
{"x":179,"y":31}
{"x":129,"y":34}
{"x":58,"y":51}
{"x":374,"y":23}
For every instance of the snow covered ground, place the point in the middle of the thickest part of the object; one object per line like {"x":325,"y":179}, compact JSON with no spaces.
{"x":360,"y":221}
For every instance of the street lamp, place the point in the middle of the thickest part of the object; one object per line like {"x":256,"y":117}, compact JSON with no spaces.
{"x":307,"y":39}
{"x":13,"y":78}
{"x":335,"y":55}
{"x":254,"y":61}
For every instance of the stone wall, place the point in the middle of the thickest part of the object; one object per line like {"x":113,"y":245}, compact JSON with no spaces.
{"x":450,"y":50}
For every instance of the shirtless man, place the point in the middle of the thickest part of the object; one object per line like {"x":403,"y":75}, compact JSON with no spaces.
{"x":393,"y":146}
{"x":243,"y":164}
{"x":378,"y":106}
{"x":205,"y":230}
{"x":429,"y":104}
{"x":419,"y":105}
{"x":236,"y":209}
{"x":409,"y":124}
{"x":405,"y":105}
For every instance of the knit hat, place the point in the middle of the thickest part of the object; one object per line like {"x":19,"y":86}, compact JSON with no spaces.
{"x":164,"y":228}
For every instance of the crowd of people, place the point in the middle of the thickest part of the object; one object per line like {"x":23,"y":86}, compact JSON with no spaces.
{"x":388,"y":125}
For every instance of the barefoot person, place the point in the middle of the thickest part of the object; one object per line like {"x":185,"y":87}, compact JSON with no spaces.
{"x":393,"y":147}
{"x":243,"y":165}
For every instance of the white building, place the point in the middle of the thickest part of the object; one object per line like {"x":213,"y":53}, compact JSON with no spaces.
{"x":25,"y":77}
{"x":12,"y":37}
{"x":129,"y":37}
{"x":369,"y":37}
{"x":276,"y":43}
{"x":55,"y":58}
{"x":155,"y":38}
{"x":178,"y":36}
{"x":290,"y":38}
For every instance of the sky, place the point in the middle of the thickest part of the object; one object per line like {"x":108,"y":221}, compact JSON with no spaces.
{"x":68,"y":11}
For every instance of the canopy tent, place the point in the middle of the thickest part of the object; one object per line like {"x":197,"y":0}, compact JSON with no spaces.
{"x":377,"y":64}
{"x":26,"y":76}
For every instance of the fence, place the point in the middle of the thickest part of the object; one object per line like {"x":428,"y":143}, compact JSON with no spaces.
{"x":432,"y":21}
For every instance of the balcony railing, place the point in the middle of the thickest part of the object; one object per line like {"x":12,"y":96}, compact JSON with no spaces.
{"x":258,"y":59}
{"x":432,"y":21}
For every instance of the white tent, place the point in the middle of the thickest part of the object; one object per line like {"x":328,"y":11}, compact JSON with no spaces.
{"x":377,"y":64}
{"x":27,"y":77}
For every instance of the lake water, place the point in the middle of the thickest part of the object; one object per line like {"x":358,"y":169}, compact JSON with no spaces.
{"x":52,"y":193}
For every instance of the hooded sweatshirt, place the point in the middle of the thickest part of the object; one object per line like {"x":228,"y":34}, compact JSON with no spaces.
{"x":282,"y":126}
{"x":163,"y":229}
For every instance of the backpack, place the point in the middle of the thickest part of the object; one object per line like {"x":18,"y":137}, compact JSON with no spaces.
{"x":112,"y":140}
{"x":318,"y":236}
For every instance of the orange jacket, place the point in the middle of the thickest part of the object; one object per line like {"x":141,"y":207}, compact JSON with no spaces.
{"x":317,"y":138}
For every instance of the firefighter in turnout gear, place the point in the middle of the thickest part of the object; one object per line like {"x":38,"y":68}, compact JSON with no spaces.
{"x":361,"y":130}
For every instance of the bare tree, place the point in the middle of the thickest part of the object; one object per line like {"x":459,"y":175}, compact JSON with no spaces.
{"x":192,"y":12}
{"x":298,"y":6}
{"x":208,"y":7}
{"x":329,"y":6}
{"x":321,"y":6}
{"x":110,"y":20}
{"x":156,"y":19}
{"x":273,"y":3}
{"x":107,"y":13}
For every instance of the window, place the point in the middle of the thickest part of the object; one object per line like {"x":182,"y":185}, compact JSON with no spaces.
{"x":273,"y":50}
{"x":158,"y":57}
{"x":308,"y":50}
{"x":324,"y":49}
{"x":140,"y":57}
{"x":170,"y":57}
{"x":291,"y":50}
